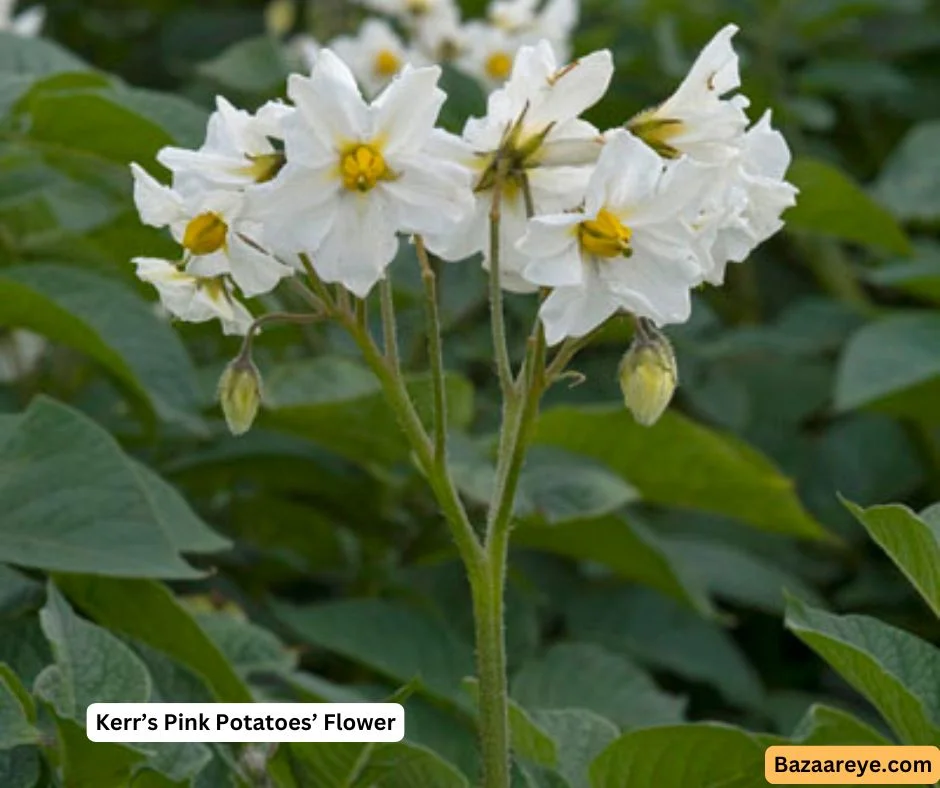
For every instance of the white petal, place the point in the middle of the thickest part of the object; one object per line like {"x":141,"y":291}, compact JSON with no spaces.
{"x":29,"y":22}
{"x":551,"y":243}
{"x":360,"y":243}
{"x":575,"y":88}
{"x":157,"y":204}
{"x":650,"y":286}
{"x":431,"y":195}
{"x":575,"y":311}
{"x":253,"y":270}
{"x":330,"y":103}
{"x":627,"y":173}
{"x":407,"y":109}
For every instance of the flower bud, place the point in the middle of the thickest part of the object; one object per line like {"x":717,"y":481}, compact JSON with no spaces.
{"x":240,"y":394}
{"x":648,"y":375}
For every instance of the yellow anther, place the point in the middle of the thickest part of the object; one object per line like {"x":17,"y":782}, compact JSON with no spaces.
{"x":656,"y":132}
{"x":605,"y":236}
{"x":386,"y":63}
{"x":264,"y":166}
{"x":205,"y":233}
{"x":498,"y":65}
{"x":362,"y":166}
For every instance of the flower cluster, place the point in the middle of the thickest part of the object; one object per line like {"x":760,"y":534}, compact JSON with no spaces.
{"x":627,"y":220}
{"x":427,"y":32}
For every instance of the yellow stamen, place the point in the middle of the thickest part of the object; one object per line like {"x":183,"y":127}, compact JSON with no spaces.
{"x":386,"y":63}
{"x":657,"y":132}
{"x":362,"y":167}
{"x":264,"y":166}
{"x":605,"y":236}
{"x":498,"y":65}
{"x":205,"y":233}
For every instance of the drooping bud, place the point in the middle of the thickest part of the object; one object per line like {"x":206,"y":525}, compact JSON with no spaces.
{"x":648,"y":375}
{"x":240,"y":394}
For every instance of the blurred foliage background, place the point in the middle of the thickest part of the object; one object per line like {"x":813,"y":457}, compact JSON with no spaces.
{"x":648,"y":578}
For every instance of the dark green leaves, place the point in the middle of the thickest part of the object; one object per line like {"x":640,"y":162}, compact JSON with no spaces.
{"x":896,"y":672}
{"x":912,"y":542}
{"x":830,"y":203}
{"x":340,"y":405}
{"x":909,"y":184}
{"x":108,"y":323}
{"x":74,"y":502}
{"x":680,"y":463}
{"x":706,"y":755}
{"x":894,"y":364}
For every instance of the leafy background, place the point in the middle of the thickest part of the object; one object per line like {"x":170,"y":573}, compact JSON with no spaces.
{"x":724,"y":580}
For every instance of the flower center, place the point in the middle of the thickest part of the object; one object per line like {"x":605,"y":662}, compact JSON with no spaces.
{"x":605,"y":236}
{"x":386,"y":63}
{"x":657,"y":132}
{"x":418,"y":7}
{"x":264,"y":166}
{"x":205,"y":233}
{"x":362,"y":167}
{"x":498,"y":65}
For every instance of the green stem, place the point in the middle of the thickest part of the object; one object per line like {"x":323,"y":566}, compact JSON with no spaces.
{"x":435,"y":353}
{"x":389,"y":326}
{"x":500,"y":349}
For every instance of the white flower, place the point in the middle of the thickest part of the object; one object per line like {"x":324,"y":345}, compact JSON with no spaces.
{"x":488,"y":54}
{"x":26,"y":24}
{"x":744,"y":205}
{"x":374,"y":55}
{"x":20,"y":353}
{"x":408,"y":10}
{"x":439,"y":36}
{"x":696,"y":119}
{"x":237,"y":151}
{"x":522,"y":19}
{"x":192,"y":298}
{"x":304,"y":49}
{"x":359,"y":173}
{"x":531,"y":123}
{"x":630,"y":249}
{"x":212,"y":229}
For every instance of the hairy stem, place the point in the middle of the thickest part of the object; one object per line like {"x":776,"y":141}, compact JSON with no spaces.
{"x":435,"y":353}
{"x":500,"y":349}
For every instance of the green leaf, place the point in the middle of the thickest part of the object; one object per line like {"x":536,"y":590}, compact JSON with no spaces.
{"x":255,"y":65}
{"x":91,"y":665}
{"x":103,"y":514}
{"x":823,"y":725}
{"x":555,"y":486}
{"x":15,"y":727}
{"x":149,"y":612}
{"x":20,"y":767}
{"x":247,"y":646}
{"x":108,"y":323}
{"x":114,"y":123}
{"x":102,"y":764}
{"x":919,"y":277}
{"x":627,"y":547}
{"x":706,"y":755}
{"x":680,"y":463}
{"x":581,"y":735}
{"x":339,"y":404}
{"x":395,"y":641}
{"x":893,"y":364}
{"x":737,"y":576}
{"x":585,"y":676}
{"x":17,"y":591}
{"x":24,"y":647}
{"x":39,"y":56}
{"x":658,"y":632}
{"x":911,"y":542}
{"x":830,"y":203}
{"x":896,"y":671}
{"x":404,"y":765}
{"x":909,"y":183}
{"x":326,"y":764}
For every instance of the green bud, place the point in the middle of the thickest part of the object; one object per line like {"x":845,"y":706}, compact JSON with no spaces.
{"x":240,"y":394}
{"x":648,"y":375}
